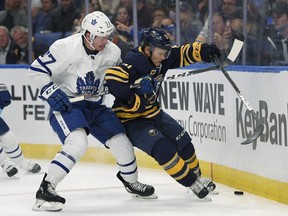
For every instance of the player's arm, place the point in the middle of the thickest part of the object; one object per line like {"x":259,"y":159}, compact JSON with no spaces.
{"x":190,"y":53}
{"x":40,"y":73}
{"x":118,"y":81}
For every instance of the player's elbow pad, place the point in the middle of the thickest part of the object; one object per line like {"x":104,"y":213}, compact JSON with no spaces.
{"x":134,"y":104}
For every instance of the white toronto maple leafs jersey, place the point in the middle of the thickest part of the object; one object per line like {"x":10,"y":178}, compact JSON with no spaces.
{"x":68,"y":65}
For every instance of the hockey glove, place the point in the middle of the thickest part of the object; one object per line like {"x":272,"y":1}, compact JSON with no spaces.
{"x":5,"y":96}
{"x":147,"y":85}
{"x":209,"y":51}
{"x":55,"y":97}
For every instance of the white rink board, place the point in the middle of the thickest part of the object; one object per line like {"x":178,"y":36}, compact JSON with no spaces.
{"x":264,"y":91}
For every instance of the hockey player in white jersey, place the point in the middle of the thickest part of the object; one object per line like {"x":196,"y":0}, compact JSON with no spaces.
{"x":75,"y":66}
{"x":11,"y":155}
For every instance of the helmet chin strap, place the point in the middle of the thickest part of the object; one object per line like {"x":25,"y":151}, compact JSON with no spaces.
{"x":90,"y":43}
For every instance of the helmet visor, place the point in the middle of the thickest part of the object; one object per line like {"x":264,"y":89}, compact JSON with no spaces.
{"x":161,"y":50}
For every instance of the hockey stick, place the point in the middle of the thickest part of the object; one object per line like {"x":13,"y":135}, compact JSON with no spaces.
{"x":259,"y":125}
{"x":84,"y":97}
{"x":234,"y":52}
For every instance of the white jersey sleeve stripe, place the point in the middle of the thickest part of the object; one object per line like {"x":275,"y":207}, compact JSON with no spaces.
{"x":44,"y":66}
{"x":38,"y":70}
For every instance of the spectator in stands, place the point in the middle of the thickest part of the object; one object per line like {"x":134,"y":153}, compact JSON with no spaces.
{"x":200,"y":8}
{"x":123,"y":24}
{"x":145,"y":19}
{"x":122,"y":16}
{"x":220,"y":34}
{"x":42,"y":19}
{"x":15,"y":13}
{"x":144,"y":14}
{"x":219,"y":22}
{"x":8,"y":48}
{"x":36,"y":7}
{"x":94,"y":5}
{"x":280,"y":41}
{"x":62,"y":18}
{"x":259,"y":51}
{"x":168,"y":25}
{"x":225,"y":7}
{"x":20,"y":35}
{"x":228,"y":6}
{"x":127,"y":4}
{"x":220,"y":30}
{"x":189,"y":25}
{"x":158,"y":14}
{"x":109,"y":7}
{"x":257,"y":22}
{"x":120,"y":42}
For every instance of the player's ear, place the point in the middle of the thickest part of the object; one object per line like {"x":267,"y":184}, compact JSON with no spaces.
{"x":147,"y":51}
{"x":87,"y":35}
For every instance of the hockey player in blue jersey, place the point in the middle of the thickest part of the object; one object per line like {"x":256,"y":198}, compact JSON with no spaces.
{"x":76,"y":66}
{"x":11,"y":155}
{"x":147,"y":125}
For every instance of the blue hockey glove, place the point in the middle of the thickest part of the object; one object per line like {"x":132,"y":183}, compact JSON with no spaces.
{"x":147,"y":85}
{"x":5,"y":96}
{"x":209,"y":51}
{"x":55,"y":97}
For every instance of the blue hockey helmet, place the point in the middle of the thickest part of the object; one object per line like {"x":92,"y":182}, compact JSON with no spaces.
{"x":155,"y":36}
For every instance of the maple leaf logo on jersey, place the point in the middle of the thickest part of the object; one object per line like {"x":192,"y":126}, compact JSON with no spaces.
{"x":88,"y":85}
{"x":94,"y":21}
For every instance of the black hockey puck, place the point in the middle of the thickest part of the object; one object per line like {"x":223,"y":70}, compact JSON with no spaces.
{"x":238,"y":192}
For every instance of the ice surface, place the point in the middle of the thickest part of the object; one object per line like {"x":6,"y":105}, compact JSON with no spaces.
{"x":93,"y":189}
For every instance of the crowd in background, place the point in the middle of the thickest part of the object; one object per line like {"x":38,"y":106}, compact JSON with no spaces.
{"x":266,"y":25}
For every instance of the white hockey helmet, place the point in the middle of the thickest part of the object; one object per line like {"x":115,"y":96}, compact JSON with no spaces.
{"x":98,"y":24}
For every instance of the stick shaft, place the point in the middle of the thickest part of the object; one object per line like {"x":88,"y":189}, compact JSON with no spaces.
{"x":259,"y":125}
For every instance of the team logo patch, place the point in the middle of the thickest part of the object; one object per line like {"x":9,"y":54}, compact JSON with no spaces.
{"x":152,"y":132}
{"x":93,"y":22}
{"x":88,"y":84}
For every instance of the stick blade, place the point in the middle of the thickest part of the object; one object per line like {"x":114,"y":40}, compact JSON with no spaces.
{"x":257,"y":132}
{"x":236,"y":48}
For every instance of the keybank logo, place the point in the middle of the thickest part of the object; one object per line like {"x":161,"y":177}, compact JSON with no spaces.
{"x":275,"y":125}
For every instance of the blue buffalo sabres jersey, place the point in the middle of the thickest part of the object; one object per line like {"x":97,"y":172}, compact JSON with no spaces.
{"x":128,"y":104}
{"x":68,"y":65}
